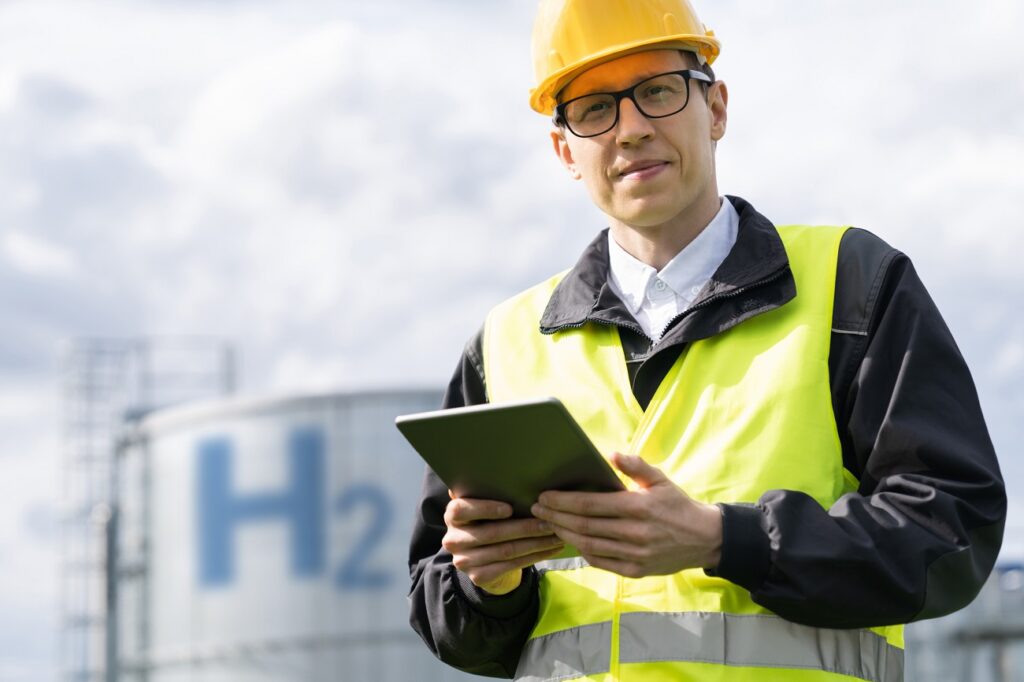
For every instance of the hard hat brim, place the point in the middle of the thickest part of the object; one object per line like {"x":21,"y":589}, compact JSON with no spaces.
{"x":543,"y":97}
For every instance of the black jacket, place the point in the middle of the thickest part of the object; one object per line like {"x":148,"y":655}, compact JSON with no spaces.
{"x":918,"y":538}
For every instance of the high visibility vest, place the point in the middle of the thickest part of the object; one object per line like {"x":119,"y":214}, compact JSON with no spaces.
{"x":738,"y":414}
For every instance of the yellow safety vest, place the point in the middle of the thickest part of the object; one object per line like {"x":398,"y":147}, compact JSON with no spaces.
{"x":738,"y":414}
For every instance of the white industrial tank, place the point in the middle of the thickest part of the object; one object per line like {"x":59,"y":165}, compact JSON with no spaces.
{"x":266,"y":540}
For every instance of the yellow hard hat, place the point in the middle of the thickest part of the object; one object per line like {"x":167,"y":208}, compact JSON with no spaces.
{"x":570,"y":36}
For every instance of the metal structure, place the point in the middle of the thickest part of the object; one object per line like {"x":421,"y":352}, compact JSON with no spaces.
{"x":107,"y":381}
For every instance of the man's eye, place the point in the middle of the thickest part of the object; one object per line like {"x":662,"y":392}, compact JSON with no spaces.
{"x":659,"y":93}
{"x":590,"y":110}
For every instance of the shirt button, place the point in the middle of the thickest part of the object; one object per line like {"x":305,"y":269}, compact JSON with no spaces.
{"x":659,"y":285}
{"x":695,"y":290}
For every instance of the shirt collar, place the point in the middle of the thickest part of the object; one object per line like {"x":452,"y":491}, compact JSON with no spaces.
{"x":585,"y":293}
{"x":628,"y":276}
{"x":691,"y":267}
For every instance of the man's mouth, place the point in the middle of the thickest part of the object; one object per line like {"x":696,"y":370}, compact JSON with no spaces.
{"x":642,"y":169}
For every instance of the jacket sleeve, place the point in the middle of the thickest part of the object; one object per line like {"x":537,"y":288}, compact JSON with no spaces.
{"x":921,"y":534}
{"x":461,"y":624}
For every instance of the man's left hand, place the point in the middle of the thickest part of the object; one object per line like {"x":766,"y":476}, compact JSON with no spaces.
{"x":655,"y":530}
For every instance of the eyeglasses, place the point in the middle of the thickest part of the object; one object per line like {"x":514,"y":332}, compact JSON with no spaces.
{"x":657,"y":97}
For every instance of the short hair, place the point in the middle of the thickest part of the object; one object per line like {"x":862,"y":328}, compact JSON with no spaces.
{"x":695,"y":62}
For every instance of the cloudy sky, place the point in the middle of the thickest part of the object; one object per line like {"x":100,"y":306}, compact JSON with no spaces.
{"x":342,"y":189}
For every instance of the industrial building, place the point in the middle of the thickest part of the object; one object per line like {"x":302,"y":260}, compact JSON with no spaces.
{"x":231,"y":539}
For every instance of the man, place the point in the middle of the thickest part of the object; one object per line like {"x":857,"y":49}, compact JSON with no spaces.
{"x":808,"y":463}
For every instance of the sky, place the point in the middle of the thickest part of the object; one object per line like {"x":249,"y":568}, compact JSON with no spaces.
{"x":343,"y":189}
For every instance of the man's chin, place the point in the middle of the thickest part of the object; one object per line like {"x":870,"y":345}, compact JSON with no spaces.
{"x":647,"y":219}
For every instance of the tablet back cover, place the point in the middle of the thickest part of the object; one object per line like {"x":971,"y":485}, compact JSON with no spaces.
{"x":510,"y":452}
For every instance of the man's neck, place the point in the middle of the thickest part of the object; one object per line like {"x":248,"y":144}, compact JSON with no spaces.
{"x":657,"y":245}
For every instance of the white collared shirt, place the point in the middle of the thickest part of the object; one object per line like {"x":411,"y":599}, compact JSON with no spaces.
{"x":655,"y":298}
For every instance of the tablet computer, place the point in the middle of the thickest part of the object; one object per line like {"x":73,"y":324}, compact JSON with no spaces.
{"x":510,"y":452}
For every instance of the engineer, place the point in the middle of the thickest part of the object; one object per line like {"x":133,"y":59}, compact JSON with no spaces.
{"x":807,"y":460}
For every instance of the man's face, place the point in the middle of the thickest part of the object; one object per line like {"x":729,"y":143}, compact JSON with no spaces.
{"x":647,"y":173}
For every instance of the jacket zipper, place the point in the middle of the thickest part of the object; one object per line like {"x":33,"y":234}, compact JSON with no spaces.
{"x":720,"y":297}
{"x":703,"y":304}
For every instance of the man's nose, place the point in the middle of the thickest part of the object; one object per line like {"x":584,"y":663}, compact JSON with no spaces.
{"x":633,"y":127}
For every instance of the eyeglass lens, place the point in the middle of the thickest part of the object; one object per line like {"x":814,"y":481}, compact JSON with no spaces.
{"x":656,"y":97}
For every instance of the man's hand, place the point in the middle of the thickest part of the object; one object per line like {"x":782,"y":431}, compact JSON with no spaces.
{"x":655,"y":530}
{"x":491,"y":548}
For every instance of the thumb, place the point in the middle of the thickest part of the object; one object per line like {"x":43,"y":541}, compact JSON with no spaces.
{"x":638,"y":470}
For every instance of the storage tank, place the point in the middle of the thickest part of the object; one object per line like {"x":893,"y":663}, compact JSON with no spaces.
{"x":983,"y":642}
{"x":266,"y":539}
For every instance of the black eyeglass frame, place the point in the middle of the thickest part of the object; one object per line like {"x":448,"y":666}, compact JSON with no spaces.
{"x":559,"y":117}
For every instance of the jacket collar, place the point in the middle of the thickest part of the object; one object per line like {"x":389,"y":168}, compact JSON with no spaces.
{"x":757,"y":258}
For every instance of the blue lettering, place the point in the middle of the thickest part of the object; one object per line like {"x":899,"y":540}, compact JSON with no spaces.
{"x":220,"y":512}
{"x":356,"y":571}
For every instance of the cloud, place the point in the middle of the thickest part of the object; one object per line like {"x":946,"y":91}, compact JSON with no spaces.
{"x":910,"y":127}
{"x":262,"y":208}
{"x":1013,"y":541}
{"x":34,"y":256}
{"x":28,"y":542}
{"x":49,"y":97}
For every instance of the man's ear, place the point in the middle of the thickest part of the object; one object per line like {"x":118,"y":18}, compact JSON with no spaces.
{"x":718,"y":106}
{"x":564,"y":154}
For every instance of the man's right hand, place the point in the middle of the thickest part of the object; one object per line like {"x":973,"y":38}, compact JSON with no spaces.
{"x":491,"y":548}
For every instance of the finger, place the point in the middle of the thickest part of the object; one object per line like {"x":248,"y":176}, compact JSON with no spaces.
{"x":589,"y":545}
{"x":504,"y":553}
{"x":463,"y":510}
{"x":637,"y":469}
{"x":488,"y":574}
{"x":628,"y":569}
{"x":595,"y":526}
{"x":608,"y":505}
{"x":492,"y":532}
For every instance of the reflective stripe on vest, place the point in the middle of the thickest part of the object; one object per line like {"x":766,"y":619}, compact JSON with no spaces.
{"x":752,"y":641}
{"x":571,"y":563}
{"x":758,"y":392}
